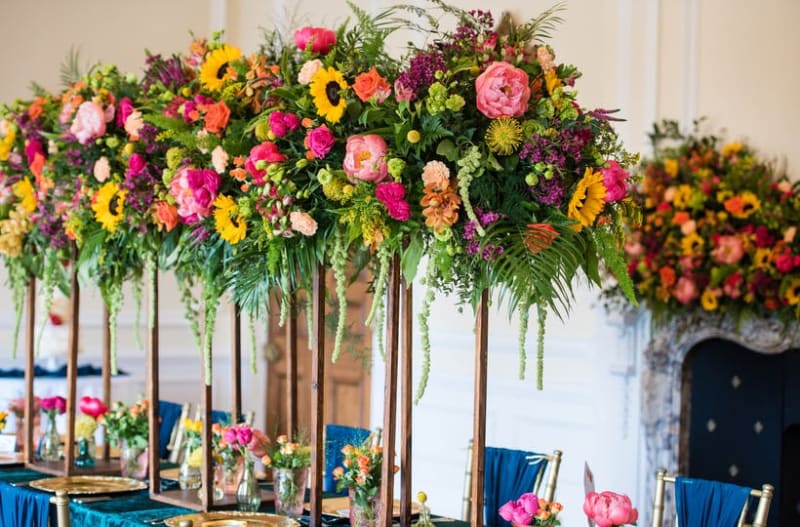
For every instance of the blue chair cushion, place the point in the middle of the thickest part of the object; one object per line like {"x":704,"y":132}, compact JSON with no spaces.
{"x":169,"y":413}
{"x":709,"y":503}
{"x":508,"y":474}
{"x":336,"y":437}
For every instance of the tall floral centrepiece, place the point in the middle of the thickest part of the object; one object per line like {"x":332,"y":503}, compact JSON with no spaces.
{"x":718,"y":232}
{"x":361,"y":475}
{"x":289,"y":461}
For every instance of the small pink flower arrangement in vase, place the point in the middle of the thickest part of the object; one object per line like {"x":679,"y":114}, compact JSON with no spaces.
{"x":50,"y":444}
{"x":529,"y":509}
{"x":17,"y":407}
{"x":609,"y":509}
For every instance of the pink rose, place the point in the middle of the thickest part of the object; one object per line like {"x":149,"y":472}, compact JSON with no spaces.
{"x":245,"y":434}
{"x":365,"y":158}
{"x":230,"y":436}
{"x":320,"y":141}
{"x":609,"y":509}
{"x":514,"y":512}
{"x":260,"y":156}
{"x":308,"y":71}
{"x":320,"y":39}
{"x":92,"y":406}
{"x":729,"y":250}
{"x":194,"y":191}
{"x":89,"y":122}
{"x":392,"y":195}
{"x":55,"y":403}
{"x":685,"y":290}
{"x":303,"y":223}
{"x":125,"y":110}
{"x":615,"y":179}
{"x":502,"y":91}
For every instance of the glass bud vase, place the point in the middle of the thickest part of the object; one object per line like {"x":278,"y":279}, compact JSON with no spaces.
{"x":248,"y":496}
{"x":132,"y":460}
{"x":50,"y":442}
{"x":364,"y":513}
{"x":189,"y":476}
{"x":289,"y":485}
{"x":86,"y":450}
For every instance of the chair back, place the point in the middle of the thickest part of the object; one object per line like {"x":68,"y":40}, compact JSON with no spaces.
{"x":710,"y":503}
{"x":170,"y":434}
{"x":508,"y":474}
{"x":336,"y":437}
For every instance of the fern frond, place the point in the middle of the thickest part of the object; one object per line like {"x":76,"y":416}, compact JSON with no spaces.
{"x":70,"y":70}
{"x":542,"y":27}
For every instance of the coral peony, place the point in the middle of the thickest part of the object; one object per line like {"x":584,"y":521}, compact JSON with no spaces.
{"x":729,"y":250}
{"x":303,"y":223}
{"x":319,"y":39}
{"x":365,"y":158}
{"x":685,"y":290}
{"x":502,"y":90}
{"x":609,"y":509}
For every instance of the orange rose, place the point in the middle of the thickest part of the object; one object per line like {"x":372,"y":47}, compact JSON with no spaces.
{"x":217,"y":116}
{"x":667,"y":275}
{"x":338,"y":473}
{"x":681,"y":217}
{"x":166,"y":215}
{"x":372,"y":84}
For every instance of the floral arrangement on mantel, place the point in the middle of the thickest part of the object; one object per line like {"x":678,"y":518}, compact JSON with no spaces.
{"x":718,"y":231}
{"x":242,"y":173}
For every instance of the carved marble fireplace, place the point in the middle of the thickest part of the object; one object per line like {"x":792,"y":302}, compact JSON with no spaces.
{"x":666,"y":388}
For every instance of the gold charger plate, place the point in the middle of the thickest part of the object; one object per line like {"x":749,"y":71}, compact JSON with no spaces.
{"x":340,"y":507}
{"x":232,"y":519}
{"x":88,"y":484}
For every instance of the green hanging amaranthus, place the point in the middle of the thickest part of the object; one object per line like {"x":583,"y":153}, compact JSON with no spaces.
{"x":339,"y":264}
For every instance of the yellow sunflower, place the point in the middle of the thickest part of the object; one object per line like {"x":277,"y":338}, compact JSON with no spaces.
{"x":504,"y":136}
{"x":709,"y":300}
{"x":326,"y":89}
{"x":588,"y":200}
{"x":23,"y":189}
{"x":6,"y":144}
{"x":108,"y":205}
{"x":230,"y":225}
{"x":792,"y":293}
{"x":692,"y":244}
{"x":683,"y":195}
{"x":762,"y":258}
{"x":215,"y":70}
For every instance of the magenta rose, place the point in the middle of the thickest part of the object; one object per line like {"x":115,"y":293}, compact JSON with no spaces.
{"x":393,"y":196}
{"x":125,"y":110}
{"x":502,"y":91}
{"x":136,"y":164}
{"x":365,"y":158}
{"x":194,"y":191}
{"x":529,"y":502}
{"x":92,"y":406}
{"x":89,"y":122}
{"x":260,"y":157}
{"x":54,"y":404}
{"x":729,"y":250}
{"x":31,"y":149}
{"x":514,"y":512}
{"x":320,"y":39}
{"x":282,"y":123}
{"x":615,"y":179}
{"x":320,"y":141}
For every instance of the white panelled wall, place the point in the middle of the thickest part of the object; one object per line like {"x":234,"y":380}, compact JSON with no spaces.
{"x":730,"y":60}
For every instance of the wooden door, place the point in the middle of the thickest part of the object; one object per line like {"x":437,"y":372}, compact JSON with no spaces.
{"x":347,"y":383}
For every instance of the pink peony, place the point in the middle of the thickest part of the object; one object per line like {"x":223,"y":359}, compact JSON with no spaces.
{"x":320,"y":39}
{"x":92,"y":406}
{"x":89,"y":122}
{"x":260,"y":156}
{"x":281,"y":123}
{"x":365,"y":158}
{"x":303,"y":223}
{"x":615,"y":179}
{"x":685,"y":290}
{"x":521,"y":511}
{"x":392,"y":195}
{"x":194,"y":191}
{"x":530,"y":502}
{"x":729,"y":250}
{"x":320,"y":141}
{"x":609,"y":509}
{"x":502,"y":91}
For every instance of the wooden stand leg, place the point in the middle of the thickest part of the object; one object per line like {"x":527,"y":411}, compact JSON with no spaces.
{"x":406,"y":419}
{"x":479,"y":431}
{"x":106,"y":371}
{"x":153,"y":387}
{"x":236,"y":363}
{"x":30,"y":345}
{"x":317,"y":393}
{"x":72,"y":374}
{"x":390,"y":394}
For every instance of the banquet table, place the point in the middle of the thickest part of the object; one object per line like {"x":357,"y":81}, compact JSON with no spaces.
{"x":23,"y":506}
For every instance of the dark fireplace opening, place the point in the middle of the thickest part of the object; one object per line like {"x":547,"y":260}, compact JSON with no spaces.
{"x":740,"y":421}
